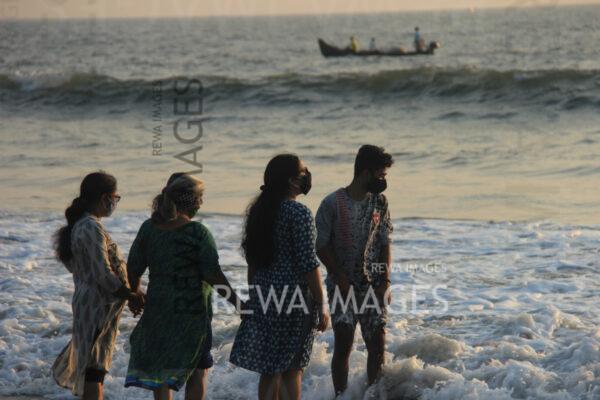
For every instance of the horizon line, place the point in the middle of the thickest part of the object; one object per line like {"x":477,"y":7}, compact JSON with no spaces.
{"x":584,"y":3}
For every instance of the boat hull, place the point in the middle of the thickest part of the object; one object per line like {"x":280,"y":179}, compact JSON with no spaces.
{"x":328,"y":50}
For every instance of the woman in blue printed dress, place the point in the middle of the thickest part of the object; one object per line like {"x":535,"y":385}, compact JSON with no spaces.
{"x":286,"y":297}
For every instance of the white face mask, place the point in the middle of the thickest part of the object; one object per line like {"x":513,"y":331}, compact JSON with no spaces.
{"x":111,"y":206}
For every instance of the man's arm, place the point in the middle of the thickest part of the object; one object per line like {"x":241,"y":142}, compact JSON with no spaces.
{"x":324,"y":221}
{"x":327,"y":257}
{"x":385,"y":261}
{"x":385,"y":257}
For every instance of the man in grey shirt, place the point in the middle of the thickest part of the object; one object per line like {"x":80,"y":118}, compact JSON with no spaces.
{"x":353,"y":242}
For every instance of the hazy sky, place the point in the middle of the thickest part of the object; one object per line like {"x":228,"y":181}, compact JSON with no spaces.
{"x":176,"y":8}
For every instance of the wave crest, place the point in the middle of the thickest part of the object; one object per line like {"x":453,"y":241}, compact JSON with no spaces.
{"x":573,"y":89}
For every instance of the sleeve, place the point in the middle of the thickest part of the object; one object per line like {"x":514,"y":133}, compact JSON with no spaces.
{"x":385,"y":227}
{"x":304,"y":236}
{"x":100,"y":270}
{"x":324,"y":221}
{"x":136,"y":260}
{"x":209,"y":257}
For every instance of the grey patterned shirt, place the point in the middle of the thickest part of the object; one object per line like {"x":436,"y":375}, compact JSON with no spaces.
{"x":360,"y":218}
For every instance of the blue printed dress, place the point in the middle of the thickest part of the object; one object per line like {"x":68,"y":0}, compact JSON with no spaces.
{"x":280,"y":338}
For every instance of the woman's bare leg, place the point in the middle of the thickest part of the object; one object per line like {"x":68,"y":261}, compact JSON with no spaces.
{"x":291,"y":385}
{"x":195,"y":388}
{"x":164,"y":393}
{"x":92,"y":391}
{"x":268,"y":387}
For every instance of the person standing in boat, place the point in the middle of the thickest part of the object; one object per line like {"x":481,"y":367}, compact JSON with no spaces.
{"x":372,"y":45}
{"x":353,"y":242}
{"x":353,"y":44}
{"x":418,"y":40}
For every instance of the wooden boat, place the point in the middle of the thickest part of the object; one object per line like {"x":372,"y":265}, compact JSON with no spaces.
{"x":332,"y":51}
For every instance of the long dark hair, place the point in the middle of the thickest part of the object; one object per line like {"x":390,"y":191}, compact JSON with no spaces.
{"x":92,"y":188}
{"x":257,"y":240}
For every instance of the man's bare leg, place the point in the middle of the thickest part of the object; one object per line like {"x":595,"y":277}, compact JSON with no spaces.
{"x":343,"y":341}
{"x":376,"y":351}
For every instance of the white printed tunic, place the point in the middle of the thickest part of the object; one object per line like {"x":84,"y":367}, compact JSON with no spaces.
{"x":98,"y":272}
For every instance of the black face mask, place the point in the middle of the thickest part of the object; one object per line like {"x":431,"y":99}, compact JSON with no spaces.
{"x":306,"y":182}
{"x":376,"y":185}
{"x":193,"y":213}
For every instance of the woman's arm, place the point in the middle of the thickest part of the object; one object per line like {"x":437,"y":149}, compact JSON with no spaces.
{"x":304,"y":236}
{"x":101,"y":271}
{"x":134,"y":282}
{"x":251,"y":273}
{"x":136,"y":266}
{"x":221,"y":284}
{"x":135,"y":298}
{"x":136,"y":261}
{"x":313,"y":278}
{"x":314,"y":285}
{"x":99,"y":262}
{"x":211,"y":270}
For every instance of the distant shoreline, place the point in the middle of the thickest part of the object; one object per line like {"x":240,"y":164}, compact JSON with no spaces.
{"x":499,"y":7}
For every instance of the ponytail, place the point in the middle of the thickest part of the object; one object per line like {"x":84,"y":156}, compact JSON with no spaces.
{"x":163,"y":208}
{"x":63,"y":236}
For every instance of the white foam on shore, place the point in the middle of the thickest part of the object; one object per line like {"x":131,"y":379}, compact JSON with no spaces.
{"x":522,"y":319}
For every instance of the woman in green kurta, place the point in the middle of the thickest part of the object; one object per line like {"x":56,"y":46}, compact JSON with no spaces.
{"x":171,"y":343}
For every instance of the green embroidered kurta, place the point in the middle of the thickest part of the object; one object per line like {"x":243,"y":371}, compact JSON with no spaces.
{"x":167,"y":342}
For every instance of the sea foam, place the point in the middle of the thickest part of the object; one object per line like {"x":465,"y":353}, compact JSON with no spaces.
{"x":532,"y":337}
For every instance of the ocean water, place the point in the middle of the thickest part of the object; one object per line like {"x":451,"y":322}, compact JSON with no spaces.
{"x":521,"y":320}
{"x":500,"y":124}
{"x":496,"y":140}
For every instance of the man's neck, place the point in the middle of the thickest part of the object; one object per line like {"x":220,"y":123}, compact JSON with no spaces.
{"x":356,"y":191}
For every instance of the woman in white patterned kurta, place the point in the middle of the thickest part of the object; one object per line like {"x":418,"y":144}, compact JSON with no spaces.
{"x":101,"y":289}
